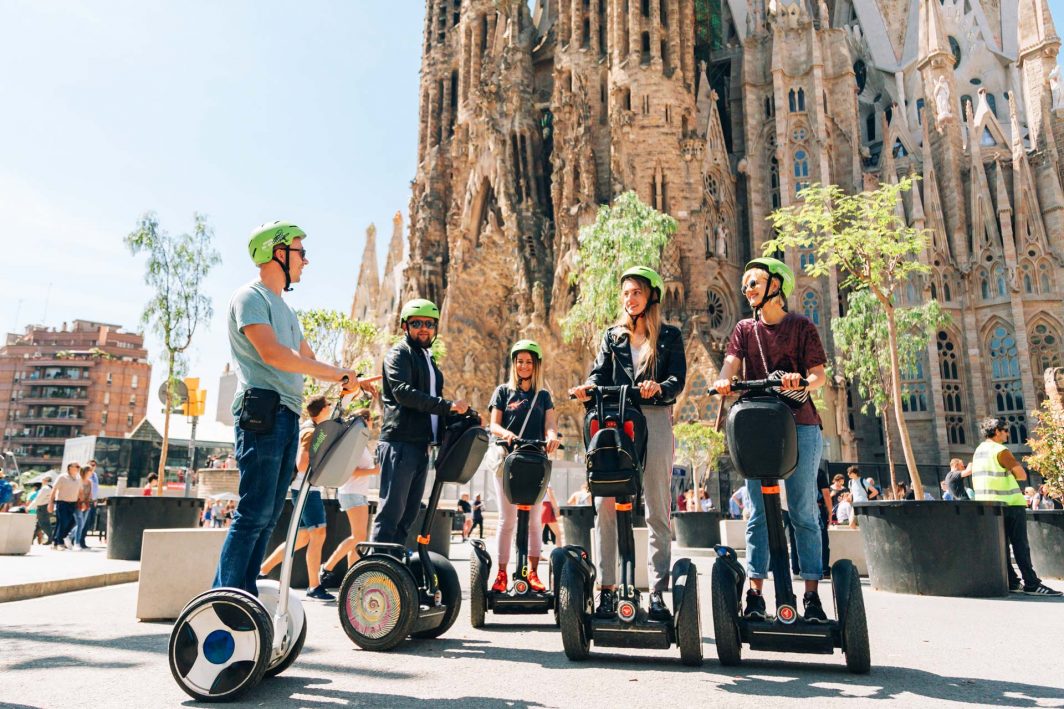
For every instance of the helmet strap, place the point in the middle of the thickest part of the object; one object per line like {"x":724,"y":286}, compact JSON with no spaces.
{"x":284,"y":267}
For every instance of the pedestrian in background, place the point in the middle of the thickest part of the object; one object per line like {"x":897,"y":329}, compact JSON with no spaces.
{"x":94,"y":494}
{"x":81,"y":509}
{"x":478,"y":516}
{"x":43,"y":531}
{"x":63,"y":500}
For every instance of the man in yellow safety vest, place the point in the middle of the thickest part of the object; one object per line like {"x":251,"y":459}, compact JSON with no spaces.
{"x":995,"y":472}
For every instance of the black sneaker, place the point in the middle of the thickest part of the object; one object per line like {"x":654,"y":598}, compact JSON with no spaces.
{"x":607,"y":606}
{"x":755,"y":605}
{"x":1015,"y":587}
{"x":814,"y":610}
{"x":329,"y":578}
{"x":658,"y":609}
{"x":320,"y":594}
{"x":1041,"y":590}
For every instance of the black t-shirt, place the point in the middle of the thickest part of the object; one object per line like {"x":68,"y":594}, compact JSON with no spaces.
{"x":464,"y":506}
{"x":514,"y":407}
{"x":955,"y":485}
{"x":822,"y":483}
{"x":478,"y":511}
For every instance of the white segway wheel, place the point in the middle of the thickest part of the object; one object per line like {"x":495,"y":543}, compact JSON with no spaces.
{"x":378,"y":603}
{"x":220,"y":645}
{"x":478,"y":591}
{"x":725,"y":615}
{"x":295,"y":630}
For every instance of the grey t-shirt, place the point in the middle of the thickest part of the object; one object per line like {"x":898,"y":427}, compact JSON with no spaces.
{"x":255,"y":304}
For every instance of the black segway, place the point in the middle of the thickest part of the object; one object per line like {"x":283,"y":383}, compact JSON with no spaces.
{"x":391,"y":593}
{"x":616,"y":447}
{"x":763,"y":443}
{"x":226,"y":640}
{"x":525,"y":475}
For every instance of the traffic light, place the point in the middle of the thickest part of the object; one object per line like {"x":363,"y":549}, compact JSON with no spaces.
{"x":195,"y":404}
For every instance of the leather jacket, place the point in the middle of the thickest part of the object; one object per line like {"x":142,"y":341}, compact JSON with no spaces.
{"x":405,"y":400}
{"x":613,"y":365}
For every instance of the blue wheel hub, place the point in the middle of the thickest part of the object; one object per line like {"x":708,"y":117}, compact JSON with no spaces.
{"x":219,"y":647}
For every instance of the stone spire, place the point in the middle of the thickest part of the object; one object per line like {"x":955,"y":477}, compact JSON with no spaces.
{"x":368,"y":288}
{"x":391,"y":284}
{"x":933,"y":40}
{"x":1037,"y":64}
{"x":1036,"y":27}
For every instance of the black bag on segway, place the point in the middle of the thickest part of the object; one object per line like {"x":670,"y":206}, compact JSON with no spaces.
{"x":462,"y":446}
{"x":525,"y":475}
{"x":335,"y":448}
{"x":762,"y":438}
{"x":616,"y":446}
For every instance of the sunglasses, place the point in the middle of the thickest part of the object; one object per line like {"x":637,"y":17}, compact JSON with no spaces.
{"x":749,"y":285}
{"x":302,"y":252}
{"x":421,"y":324}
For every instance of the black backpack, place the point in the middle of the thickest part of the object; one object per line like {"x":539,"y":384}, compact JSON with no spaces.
{"x":616,"y":446}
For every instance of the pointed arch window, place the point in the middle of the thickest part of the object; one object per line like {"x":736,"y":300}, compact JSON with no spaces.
{"x":952,"y":398}
{"x":1045,"y":278}
{"x":1027,"y":278}
{"x":914,"y":389}
{"x":1005,"y":382}
{"x":792,"y":102}
{"x":987,"y":141}
{"x":801,"y":170}
{"x":1000,"y":289}
{"x":1045,"y":350}
{"x":992,"y":103}
{"x":806,"y":257}
{"x":811,"y":307}
{"x":984,"y":284}
{"x":899,"y":149}
{"x":774,"y":182}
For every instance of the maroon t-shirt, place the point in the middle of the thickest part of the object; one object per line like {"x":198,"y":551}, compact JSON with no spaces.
{"x":792,"y":345}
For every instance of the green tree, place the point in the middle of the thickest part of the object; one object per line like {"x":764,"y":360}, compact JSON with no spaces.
{"x":863,"y":355}
{"x":700,"y":445}
{"x":337,"y":340}
{"x":175,"y":269}
{"x":865,"y":237}
{"x":625,"y":234}
{"x":1047,"y":445}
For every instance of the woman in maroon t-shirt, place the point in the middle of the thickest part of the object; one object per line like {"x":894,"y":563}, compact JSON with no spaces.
{"x":785,"y":345}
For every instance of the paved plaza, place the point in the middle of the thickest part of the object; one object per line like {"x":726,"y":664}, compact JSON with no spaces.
{"x":85,"y":648}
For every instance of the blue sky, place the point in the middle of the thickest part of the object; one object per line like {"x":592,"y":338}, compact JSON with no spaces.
{"x":244,"y":111}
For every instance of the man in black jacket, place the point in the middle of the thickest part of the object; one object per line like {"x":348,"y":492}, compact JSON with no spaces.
{"x":410,"y":396}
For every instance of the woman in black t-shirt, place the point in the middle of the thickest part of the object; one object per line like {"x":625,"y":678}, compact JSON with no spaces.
{"x":521,"y":403}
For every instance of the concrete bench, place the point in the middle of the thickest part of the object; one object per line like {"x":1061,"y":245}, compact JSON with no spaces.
{"x":642,"y":538}
{"x":175,"y":566}
{"x":16,"y":532}
{"x":846,"y":543}
{"x":733,"y":533}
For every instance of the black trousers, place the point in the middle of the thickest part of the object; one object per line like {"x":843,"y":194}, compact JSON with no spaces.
{"x":64,"y":524}
{"x":1016,"y":537}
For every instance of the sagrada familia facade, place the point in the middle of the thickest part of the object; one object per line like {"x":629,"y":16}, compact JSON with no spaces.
{"x":718,"y":112}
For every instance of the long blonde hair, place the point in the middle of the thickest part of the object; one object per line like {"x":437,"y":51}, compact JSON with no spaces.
{"x":652,"y":313}
{"x":537,"y":373}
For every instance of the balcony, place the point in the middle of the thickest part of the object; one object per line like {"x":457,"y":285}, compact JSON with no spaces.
{"x":42,"y":440}
{"x":57,"y":382}
{"x":53,"y":401}
{"x":54,"y":421}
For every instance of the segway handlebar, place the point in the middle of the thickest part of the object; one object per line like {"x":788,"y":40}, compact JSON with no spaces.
{"x":760,"y":384}
{"x":607,"y":391}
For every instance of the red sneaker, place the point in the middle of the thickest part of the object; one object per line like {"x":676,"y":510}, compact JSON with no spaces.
{"x":500,"y":584}
{"x":535,"y":583}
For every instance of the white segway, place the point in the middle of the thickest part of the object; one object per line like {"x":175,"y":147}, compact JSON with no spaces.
{"x":226,"y":640}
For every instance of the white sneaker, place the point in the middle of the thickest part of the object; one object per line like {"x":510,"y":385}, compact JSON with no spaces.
{"x":67,"y":543}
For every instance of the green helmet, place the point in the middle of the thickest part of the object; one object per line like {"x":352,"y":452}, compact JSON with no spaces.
{"x":657,"y":285}
{"x":419,"y":308}
{"x":775,"y":267}
{"x":527,"y":346}
{"x":269,"y":236}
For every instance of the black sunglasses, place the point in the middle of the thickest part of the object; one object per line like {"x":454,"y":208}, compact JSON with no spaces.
{"x":419,"y":324}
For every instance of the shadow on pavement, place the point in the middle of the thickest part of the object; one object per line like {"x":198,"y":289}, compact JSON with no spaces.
{"x":764,"y":678}
{"x":153,"y":643}
{"x":40,"y":663}
{"x":287,"y":690}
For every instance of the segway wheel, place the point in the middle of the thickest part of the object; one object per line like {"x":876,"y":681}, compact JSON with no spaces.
{"x":297,"y":626}
{"x":378,"y":603}
{"x":689,"y":622}
{"x":572,"y":614}
{"x":725,"y":615}
{"x":478,"y":591}
{"x":220,"y":645}
{"x":849,"y":606}
{"x":450,"y":593}
{"x":557,"y":563}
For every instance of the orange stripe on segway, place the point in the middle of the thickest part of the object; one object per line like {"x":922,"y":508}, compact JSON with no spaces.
{"x":524,"y":508}
{"x":770,"y":490}
{"x":624,"y":506}
{"x":423,"y":540}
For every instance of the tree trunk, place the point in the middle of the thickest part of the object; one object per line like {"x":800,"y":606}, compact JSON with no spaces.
{"x":161,"y":472}
{"x":895,"y":395}
{"x":890,"y":455}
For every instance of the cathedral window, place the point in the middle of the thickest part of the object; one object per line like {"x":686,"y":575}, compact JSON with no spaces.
{"x":646,"y":105}
{"x":1028,"y":282}
{"x":955,"y":48}
{"x":952,"y":399}
{"x":914,"y":388}
{"x":1045,"y":278}
{"x":646,"y":48}
{"x":711,"y":186}
{"x":992,"y":103}
{"x":770,"y":107}
{"x":1006,"y":384}
{"x":811,"y":307}
{"x":870,"y":125}
{"x":999,"y":280}
{"x":796,"y":100}
{"x":801,"y":170}
{"x":644,"y":7}
{"x":919,"y":111}
{"x":627,"y":99}
{"x":716,"y":311}
{"x":984,"y":284}
{"x":806,"y":257}
{"x":899,"y":150}
{"x":860,"y":74}
{"x":967,"y":109}
{"x":1045,"y":353}
{"x":774,"y":182}
{"x":800,"y":134}
{"x":603,"y":38}
{"x":987,"y":140}
{"x":801,"y":99}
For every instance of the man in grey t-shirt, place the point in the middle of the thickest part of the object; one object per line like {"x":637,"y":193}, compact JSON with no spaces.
{"x":270,"y":357}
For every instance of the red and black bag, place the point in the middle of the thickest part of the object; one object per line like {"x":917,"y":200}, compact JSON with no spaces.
{"x":615,"y":438}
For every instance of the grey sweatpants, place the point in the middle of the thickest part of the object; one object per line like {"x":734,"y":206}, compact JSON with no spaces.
{"x":657,"y":489}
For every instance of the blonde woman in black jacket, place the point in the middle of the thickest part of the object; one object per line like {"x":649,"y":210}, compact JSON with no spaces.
{"x":641,"y":351}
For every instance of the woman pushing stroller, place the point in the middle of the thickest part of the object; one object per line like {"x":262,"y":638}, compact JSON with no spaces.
{"x":642,"y":352}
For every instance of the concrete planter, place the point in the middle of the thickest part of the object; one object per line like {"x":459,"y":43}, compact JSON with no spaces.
{"x":16,"y":532}
{"x":1045,"y":532}
{"x":128,"y":517}
{"x":699,"y":530}
{"x":933,"y":548}
{"x":733,"y":533}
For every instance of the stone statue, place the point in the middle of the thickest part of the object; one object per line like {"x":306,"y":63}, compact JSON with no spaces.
{"x":722,"y":241}
{"x":539,"y":305}
{"x":942,"y":105}
{"x":1056,"y":87}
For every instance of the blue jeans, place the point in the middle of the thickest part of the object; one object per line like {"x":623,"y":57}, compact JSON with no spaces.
{"x":81,"y":517}
{"x":801,"y":503}
{"x":90,"y":520}
{"x":404,"y":471}
{"x":266,"y":462}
